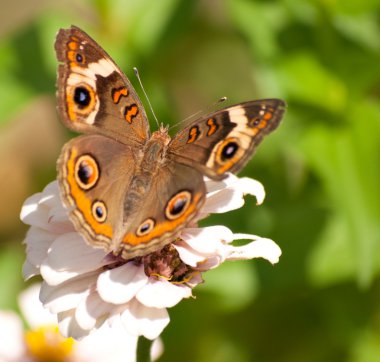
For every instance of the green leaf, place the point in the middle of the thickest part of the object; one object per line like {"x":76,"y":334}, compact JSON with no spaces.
{"x":10,"y":277}
{"x":14,"y":93}
{"x":366,"y":347}
{"x":260,"y":22}
{"x":306,"y":80}
{"x":363,"y":29}
{"x":344,"y":159}
{"x":234,"y":284}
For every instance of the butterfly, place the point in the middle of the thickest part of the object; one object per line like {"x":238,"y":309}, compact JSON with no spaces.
{"x":128,"y":191}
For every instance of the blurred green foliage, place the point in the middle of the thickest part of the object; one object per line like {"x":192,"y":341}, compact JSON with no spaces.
{"x":320,"y":169}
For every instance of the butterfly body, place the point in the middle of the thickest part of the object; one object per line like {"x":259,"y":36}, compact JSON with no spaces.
{"x":128,"y":191}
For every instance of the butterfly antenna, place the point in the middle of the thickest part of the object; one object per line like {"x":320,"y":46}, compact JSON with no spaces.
{"x":146,"y":96}
{"x":220,"y":100}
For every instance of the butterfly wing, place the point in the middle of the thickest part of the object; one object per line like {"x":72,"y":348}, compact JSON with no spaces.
{"x":225,"y":140}
{"x":94,"y":95}
{"x":166,"y":203}
{"x":94,"y":173}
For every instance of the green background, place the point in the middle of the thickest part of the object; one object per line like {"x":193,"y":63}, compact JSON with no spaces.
{"x":320,"y":168}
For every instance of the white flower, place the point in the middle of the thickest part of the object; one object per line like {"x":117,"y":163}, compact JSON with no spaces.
{"x":87,"y":287}
{"x":42,"y":342}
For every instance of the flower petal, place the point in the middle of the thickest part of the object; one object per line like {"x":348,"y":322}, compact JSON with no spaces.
{"x":204,"y":248}
{"x":30,"y":208}
{"x":111,"y":344}
{"x":212,"y":185}
{"x":208,"y":240}
{"x":162,"y":294}
{"x":260,"y":248}
{"x":69,"y":327}
{"x":29,"y":270}
{"x":232,"y":197}
{"x":90,"y":309}
{"x":68,"y":257}
{"x":67,"y":295}
{"x":51,"y":196}
{"x":121,"y":284}
{"x":32,"y":308}
{"x":141,"y":320}
{"x":38,"y":242}
{"x":223,"y":201}
{"x":37,"y":210}
{"x":11,"y":337}
{"x":188,"y":255}
{"x":252,"y":187}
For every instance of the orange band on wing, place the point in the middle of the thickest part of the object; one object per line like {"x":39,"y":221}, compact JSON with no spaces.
{"x":212,"y":127}
{"x":73,"y":44}
{"x":263,"y":124}
{"x":82,"y":203}
{"x":268,"y":115}
{"x":163,"y":227}
{"x":193,"y":134}
{"x":118,"y":93}
{"x":130,"y":113}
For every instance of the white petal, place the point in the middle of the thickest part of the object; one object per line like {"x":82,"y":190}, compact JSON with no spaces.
{"x":45,"y":210}
{"x":223,"y":201}
{"x":111,"y":344}
{"x":144,"y":321}
{"x":252,"y":187}
{"x":67,"y":295}
{"x":231,"y":197}
{"x":11,"y":337}
{"x":38,"y":242}
{"x":211,"y":262}
{"x":51,"y":191}
{"x":29,"y":208}
{"x":69,"y":256}
{"x":29,"y":270}
{"x":188,"y":255}
{"x":52,"y":277}
{"x":208,"y":240}
{"x":35,"y":209}
{"x":260,"y":248}
{"x":32,"y":309}
{"x":196,"y":278}
{"x":212,"y":186}
{"x":90,"y":309}
{"x":68,"y":325}
{"x":58,"y":214}
{"x":157,"y":349}
{"x":121,"y":284}
{"x":162,"y":294}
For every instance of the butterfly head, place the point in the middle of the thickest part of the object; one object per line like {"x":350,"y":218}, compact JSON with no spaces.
{"x":161,"y":136}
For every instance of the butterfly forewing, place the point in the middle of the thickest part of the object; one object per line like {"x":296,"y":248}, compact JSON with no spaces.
{"x":225,"y":140}
{"x":94,"y":95}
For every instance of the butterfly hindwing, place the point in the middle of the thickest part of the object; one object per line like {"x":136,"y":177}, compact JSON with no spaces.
{"x":94,"y":173}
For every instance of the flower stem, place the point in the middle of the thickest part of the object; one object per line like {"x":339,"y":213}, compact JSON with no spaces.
{"x":143,"y":349}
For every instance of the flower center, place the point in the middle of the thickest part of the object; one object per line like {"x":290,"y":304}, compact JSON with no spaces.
{"x":45,"y":344}
{"x":166,"y":263}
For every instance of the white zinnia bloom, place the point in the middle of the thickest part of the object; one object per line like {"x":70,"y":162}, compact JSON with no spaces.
{"x":87,"y":287}
{"x":42,"y":341}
